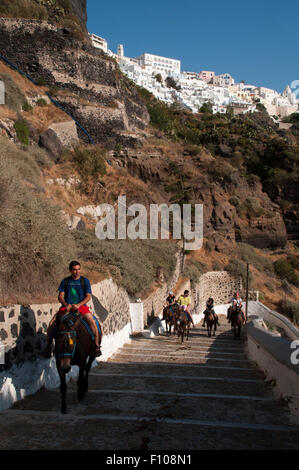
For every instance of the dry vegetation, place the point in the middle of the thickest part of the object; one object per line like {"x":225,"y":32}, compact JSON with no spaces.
{"x":36,"y":246}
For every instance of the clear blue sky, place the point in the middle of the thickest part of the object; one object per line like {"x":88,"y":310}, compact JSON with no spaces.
{"x":255,"y":41}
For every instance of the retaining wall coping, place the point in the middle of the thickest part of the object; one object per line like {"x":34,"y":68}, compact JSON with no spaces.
{"x":278,"y":347}
{"x":277,"y":315}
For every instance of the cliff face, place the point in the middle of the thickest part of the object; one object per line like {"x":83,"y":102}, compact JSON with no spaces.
{"x":89,"y":84}
{"x":80,"y":10}
{"x":234,"y":210}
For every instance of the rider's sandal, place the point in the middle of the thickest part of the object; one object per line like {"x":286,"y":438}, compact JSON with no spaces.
{"x":98,"y":351}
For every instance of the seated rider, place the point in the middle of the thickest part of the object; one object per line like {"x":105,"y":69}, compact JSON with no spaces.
{"x":74,"y":293}
{"x":171,"y":298}
{"x":232,"y":306}
{"x":236,"y":301}
{"x":185,"y":301}
{"x":210,"y":309}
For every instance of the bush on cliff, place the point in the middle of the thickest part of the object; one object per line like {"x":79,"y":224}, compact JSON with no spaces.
{"x":284,"y":269}
{"x":35,"y":244}
{"x":90,"y":162}
{"x":23,"y":9}
{"x":133,"y":264}
{"x":290,"y":309}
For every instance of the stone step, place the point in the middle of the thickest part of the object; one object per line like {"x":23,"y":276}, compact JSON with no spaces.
{"x":157,"y":405}
{"x":44,"y":430}
{"x":188,"y":350}
{"x":179,"y":384}
{"x":175,"y":368}
{"x":190,"y":345}
{"x":181,"y":358}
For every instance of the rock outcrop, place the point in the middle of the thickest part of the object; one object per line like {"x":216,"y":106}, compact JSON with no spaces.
{"x":59,"y":136}
{"x":90,"y":86}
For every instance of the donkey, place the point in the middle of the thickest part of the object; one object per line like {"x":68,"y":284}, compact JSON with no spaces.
{"x":169,"y":316}
{"x":211,"y":321}
{"x":237,"y":320}
{"x":73,"y":346}
{"x":183,"y":323}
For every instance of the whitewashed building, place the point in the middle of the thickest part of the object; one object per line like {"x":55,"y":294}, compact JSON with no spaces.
{"x":225,"y":80}
{"x":159,"y":64}
{"x":98,"y":42}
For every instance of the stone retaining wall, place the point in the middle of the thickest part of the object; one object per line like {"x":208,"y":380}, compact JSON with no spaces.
{"x":220,"y":285}
{"x":272,"y":353}
{"x":23,"y":328}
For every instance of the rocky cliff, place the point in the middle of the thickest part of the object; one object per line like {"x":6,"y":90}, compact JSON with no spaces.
{"x":80,"y":10}
{"x":88,"y":84}
{"x":153,"y":154}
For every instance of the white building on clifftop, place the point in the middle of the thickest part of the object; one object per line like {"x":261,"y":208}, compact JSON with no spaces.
{"x":98,"y":42}
{"x":159,"y":64}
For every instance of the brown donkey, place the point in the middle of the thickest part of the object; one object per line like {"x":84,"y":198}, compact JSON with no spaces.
{"x":169,"y":316}
{"x":183,"y":323}
{"x":237,"y":320}
{"x":73,"y":345}
{"x":211,"y":321}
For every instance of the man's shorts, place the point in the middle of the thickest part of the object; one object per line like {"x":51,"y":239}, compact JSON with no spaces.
{"x":84,"y":310}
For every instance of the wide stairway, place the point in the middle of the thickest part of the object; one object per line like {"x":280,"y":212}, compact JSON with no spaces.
{"x":159,"y":394}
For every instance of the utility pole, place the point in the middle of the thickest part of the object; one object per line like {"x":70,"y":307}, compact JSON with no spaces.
{"x":247,"y":282}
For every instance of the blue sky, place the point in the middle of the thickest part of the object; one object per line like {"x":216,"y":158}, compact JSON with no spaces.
{"x":254,"y":41}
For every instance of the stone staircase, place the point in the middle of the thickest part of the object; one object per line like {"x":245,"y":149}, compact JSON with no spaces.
{"x":158,"y":394}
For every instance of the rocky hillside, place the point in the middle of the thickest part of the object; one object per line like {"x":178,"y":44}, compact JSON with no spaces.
{"x":242,"y":169}
{"x":86,"y":82}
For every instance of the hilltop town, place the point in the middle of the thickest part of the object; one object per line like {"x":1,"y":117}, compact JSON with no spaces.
{"x":162,"y":76}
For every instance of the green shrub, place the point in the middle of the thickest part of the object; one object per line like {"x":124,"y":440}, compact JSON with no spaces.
{"x":193,"y":270}
{"x":250,"y":208}
{"x":26,"y":107}
{"x":23,"y":9}
{"x":238,"y":269}
{"x":248,"y":254}
{"x":219,"y":171}
{"x":171,"y":83}
{"x":270,"y":286}
{"x":294,"y":261}
{"x":41,"y":102}
{"x":290,"y":309}
{"x":53,"y":90}
{"x":41,"y":81}
{"x":261,"y":107}
{"x":134,"y":264}
{"x":206,"y":108}
{"x":235,"y":201}
{"x":285,"y":270}
{"x":22,"y":131}
{"x":292,"y":118}
{"x":90,"y":162}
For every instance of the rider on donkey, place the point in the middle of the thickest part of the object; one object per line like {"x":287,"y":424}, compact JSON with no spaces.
{"x":171,"y":298}
{"x":236,"y":301}
{"x":210,"y":309}
{"x":185,"y":302}
{"x":74,"y":293}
